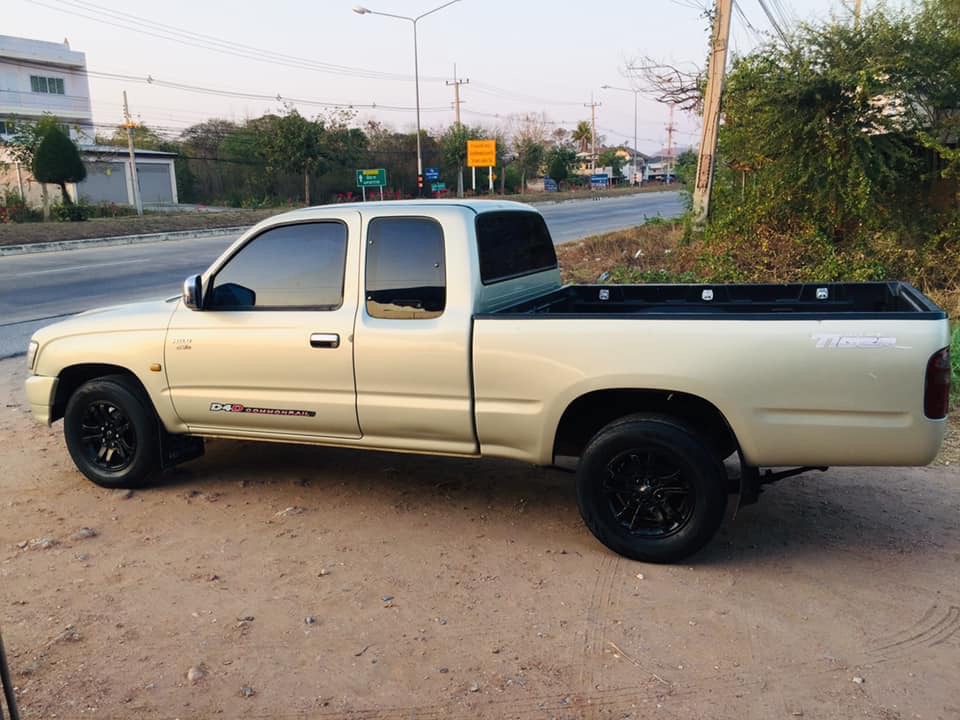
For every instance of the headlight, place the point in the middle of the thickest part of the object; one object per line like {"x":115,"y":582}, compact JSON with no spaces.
{"x":32,"y":354}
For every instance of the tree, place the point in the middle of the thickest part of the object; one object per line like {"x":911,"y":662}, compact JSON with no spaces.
{"x":295,"y":144}
{"x":220,"y":161}
{"x":25,"y":140}
{"x":559,"y":160}
{"x":144,"y":138}
{"x":453,"y":148}
{"x":57,"y":161}
{"x":582,"y":136}
{"x":530,"y":153}
{"x":529,"y":144}
{"x":839,"y":129}
{"x":612,"y":159}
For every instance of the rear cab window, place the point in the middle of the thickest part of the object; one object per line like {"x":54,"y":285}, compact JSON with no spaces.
{"x":511,"y":244}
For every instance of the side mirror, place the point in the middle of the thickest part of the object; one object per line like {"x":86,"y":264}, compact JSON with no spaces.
{"x":193,"y":292}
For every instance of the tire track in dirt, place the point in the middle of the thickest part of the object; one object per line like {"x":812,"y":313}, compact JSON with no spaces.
{"x":937,"y":626}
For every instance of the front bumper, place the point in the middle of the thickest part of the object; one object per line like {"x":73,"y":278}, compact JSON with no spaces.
{"x":41,"y":391}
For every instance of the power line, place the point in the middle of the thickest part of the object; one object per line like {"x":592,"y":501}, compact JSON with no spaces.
{"x":134,"y":23}
{"x":150,"y":80}
{"x":773,"y":21}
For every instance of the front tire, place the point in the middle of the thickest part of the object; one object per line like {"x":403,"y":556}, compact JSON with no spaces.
{"x":112,"y":432}
{"x":650,"y":489}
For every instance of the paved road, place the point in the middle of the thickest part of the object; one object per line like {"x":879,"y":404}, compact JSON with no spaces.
{"x":35,"y":288}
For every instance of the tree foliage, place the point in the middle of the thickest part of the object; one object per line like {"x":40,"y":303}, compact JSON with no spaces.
{"x":57,"y":161}
{"x":612,"y":159}
{"x":23,"y":144}
{"x":847,"y":129}
{"x":560,"y":159}
{"x":453,"y":148}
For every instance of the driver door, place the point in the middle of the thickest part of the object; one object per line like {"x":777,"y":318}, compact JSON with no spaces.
{"x":271,"y":350}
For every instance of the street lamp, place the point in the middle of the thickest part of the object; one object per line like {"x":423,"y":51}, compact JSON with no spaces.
{"x":636,"y":95}
{"x":360,"y":10}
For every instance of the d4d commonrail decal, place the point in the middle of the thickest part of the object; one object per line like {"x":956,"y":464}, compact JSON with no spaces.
{"x":237,"y":408}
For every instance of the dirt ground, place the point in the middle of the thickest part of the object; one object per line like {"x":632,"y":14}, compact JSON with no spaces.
{"x":301,"y":582}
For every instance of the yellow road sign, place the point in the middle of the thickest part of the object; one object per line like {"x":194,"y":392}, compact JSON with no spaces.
{"x":481,"y":153}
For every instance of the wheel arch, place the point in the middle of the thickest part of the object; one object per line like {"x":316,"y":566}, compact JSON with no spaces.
{"x":70,"y":378}
{"x":589,"y":413}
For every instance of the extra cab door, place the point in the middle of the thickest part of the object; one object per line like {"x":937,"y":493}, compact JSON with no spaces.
{"x":271,"y":350}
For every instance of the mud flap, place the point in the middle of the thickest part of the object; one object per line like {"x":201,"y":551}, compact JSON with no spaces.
{"x":176,"y":449}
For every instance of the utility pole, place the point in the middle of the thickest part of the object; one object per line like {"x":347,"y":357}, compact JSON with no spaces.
{"x":711,"y":112}
{"x":593,"y":131}
{"x":456,"y":82}
{"x":856,"y":12}
{"x":668,"y":164}
{"x":130,"y":125}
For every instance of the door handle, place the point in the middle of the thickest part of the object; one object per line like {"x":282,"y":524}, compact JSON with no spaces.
{"x":324,"y":340}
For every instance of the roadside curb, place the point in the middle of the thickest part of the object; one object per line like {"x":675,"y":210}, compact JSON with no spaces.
{"x":43,"y":247}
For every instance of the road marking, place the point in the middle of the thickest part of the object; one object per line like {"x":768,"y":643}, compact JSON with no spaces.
{"x":76,"y":267}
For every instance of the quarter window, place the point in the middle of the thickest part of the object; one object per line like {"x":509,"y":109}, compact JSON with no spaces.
{"x":405,"y":274}
{"x":287,"y":267}
{"x":511,"y":244}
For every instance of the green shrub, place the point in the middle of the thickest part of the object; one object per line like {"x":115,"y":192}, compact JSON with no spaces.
{"x":13,"y":209}
{"x":69,"y":213}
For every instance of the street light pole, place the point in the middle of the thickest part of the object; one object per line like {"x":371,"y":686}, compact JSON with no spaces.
{"x":360,"y":10}
{"x":636,"y":96}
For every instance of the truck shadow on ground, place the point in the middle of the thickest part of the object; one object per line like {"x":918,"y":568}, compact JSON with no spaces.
{"x":845,"y":511}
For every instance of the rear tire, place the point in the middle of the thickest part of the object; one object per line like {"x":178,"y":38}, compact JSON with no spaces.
{"x":112,"y":432}
{"x":651,"y":489}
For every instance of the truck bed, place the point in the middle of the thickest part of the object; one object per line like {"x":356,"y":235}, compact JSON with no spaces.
{"x":798,"y":301}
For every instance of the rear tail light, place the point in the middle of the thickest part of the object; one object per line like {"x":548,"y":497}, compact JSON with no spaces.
{"x":936,"y":386}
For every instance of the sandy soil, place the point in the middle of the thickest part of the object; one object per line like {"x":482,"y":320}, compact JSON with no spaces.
{"x":335,"y":584}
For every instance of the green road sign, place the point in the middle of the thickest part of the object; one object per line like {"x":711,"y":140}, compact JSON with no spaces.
{"x":438,"y":186}
{"x":376,"y":177}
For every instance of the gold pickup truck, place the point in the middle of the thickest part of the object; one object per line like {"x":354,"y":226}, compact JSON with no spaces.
{"x":442,"y":327}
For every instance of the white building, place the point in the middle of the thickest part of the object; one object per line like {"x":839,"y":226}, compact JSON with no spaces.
{"x":38,"y":78}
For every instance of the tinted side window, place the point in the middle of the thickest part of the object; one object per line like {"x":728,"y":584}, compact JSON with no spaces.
{"x":511,"y":244}
{"x":293,"y":266}
{"x":405,"y":277}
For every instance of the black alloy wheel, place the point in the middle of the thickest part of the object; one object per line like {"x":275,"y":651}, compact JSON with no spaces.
{"x":112,"y":432}
{"x":648,"y":492}
{"x":651,"y":488}
{"x":109,"y":438}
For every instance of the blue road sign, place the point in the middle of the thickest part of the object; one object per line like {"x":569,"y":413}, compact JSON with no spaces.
{"x":599,"y":180}
{"x":431,"y":174}
{"x":550,"y":185}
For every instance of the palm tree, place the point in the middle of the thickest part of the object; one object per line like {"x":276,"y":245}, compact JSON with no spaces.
{"x":582,"y":135}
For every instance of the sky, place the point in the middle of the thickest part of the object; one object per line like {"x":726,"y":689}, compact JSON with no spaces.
{"x":520,"y":56}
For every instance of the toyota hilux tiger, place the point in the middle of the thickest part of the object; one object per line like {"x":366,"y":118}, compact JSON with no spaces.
{"x":443,"y":327}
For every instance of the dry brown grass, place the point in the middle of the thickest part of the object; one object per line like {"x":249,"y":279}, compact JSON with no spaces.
{"x":648,"y":247}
